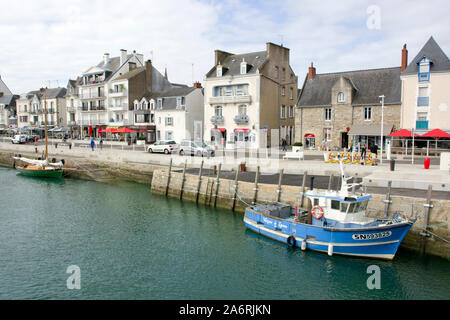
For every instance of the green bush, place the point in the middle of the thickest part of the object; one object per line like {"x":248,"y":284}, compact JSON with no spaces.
{"x":298,"y":144}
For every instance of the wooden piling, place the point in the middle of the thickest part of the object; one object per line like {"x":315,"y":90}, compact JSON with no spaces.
{"x":183,"y":178}
{"x":280,"y":178}
{"x":217,"y":184}
{"x":235,"y":188}
{"x":199,"y":182}
{"x":303,"y":188}
{"x":388,"y":201}
{"x":255,"y":189}
{"x":168,"y":177}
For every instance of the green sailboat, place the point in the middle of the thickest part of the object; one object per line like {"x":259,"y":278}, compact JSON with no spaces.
{"x":41,"y":168}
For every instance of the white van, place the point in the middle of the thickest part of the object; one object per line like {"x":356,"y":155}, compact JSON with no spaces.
{"x":19,"y":138}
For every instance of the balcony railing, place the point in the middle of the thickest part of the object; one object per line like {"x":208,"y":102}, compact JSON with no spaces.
{"x":230,"y":99}
{"x":241,"y":118}
{"x":123,"y":106}
{"x":93,"y":108}
{"x":123,"y":122}
{"x":422,"y":124}
{"x":92,"y":95}
{"x":217,"y":119}
{"x":423,"y":101}
{"x":118,"y":93}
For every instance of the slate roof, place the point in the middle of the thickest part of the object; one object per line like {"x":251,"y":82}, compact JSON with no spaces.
{"x":368,"y":86}
{"x":51,"y":93}
{"x":130,"y":74}
{"x":170,"y":97}
{"x":8,"y":100}
{"x":432,"y":51}
{"x":232,"y":64}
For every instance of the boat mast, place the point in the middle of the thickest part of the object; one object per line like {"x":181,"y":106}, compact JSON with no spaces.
{"x":43,"y":90}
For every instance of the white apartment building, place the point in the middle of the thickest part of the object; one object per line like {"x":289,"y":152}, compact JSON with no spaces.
{"x":30,"y":108}
{"x":425,"y":90}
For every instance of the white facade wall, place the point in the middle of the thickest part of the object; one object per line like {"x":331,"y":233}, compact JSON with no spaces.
{"x":231,"y":109}
{"x":177,"y":128}
{"x":438,"y":110}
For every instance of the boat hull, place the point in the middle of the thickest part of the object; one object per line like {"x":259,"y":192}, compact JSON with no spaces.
{"x":42,"y":173}
{"x":373,"y":242}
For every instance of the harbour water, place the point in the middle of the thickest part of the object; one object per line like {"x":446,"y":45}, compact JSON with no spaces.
{"x":130,"y":244}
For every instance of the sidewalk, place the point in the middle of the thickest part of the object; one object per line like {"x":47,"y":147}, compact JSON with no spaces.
{"x":404,"y":176}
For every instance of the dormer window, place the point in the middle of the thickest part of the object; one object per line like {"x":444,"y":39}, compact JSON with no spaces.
{"x":340,"y":97}
{"x":219,"y":70}
{"x":180,"y":102}
{"x":243,"y":67}
{"x":424,"y":69}
{"x":159,"y":103}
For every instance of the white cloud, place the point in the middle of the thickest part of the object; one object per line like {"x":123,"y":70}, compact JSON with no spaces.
{"x":57,"y":40}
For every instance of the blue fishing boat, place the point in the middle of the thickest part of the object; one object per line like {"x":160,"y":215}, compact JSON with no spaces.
{"x":334,"y":222}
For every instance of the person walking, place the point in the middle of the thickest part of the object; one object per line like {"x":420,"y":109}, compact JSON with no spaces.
{"x":92,"y":144}
{"x":363,"y":153}
{"x":284,"y":144}
{"x":101,"y":144}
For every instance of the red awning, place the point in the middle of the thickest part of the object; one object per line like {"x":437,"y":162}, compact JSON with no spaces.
{"x":90,"y":130}
{"x":241,"y":130}
{"x":309,"y":135}
{"x":219,"y":129}
{"x":436,"y":133}
{"x":123,"y":130}
{"x":402,"y":133}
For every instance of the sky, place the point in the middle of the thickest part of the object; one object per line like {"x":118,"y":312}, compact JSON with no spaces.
{"x":47,"y":42}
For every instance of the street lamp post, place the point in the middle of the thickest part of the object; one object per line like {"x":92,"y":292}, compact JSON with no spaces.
{"x":382,"y":122}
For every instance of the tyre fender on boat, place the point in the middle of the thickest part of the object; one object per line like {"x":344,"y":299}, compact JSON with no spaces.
{"x":291,"y":241}
{"x":317,"y":212}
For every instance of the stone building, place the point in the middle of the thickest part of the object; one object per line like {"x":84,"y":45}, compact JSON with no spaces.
{"x":7,"y":106}
{"x":337,"y":110}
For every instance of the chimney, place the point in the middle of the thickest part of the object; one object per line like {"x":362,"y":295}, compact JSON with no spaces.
{"x":404,"y":58}
{"x":123,"y":56}
{"x":148,"y":75}
{"x":311,"y":72}
{"x":197,"y":85}
{"x":105,"y":58}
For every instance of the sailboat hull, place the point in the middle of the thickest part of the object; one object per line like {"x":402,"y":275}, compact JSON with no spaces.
{"x":41,"y":173}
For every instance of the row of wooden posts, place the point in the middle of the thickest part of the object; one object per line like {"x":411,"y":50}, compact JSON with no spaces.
{"x":387,"y":201}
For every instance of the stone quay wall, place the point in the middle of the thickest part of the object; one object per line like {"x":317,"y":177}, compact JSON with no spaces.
{"x":205,"y":193}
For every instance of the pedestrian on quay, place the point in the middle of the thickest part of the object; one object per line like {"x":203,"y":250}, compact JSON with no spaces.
{"x":284,"y":144}
{"x":363,"y":152}
{"x":92,"y":144}
{"x":101,"y":144}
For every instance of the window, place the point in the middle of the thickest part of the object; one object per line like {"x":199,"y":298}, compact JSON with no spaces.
{"x":241,"y":90}
{"x":180,"y":102}
{"x":424,"y":69}
{"x":327,"y":114}
{"x":367,"y":114}
{"x":282,"y":91}
{"x":422,"y":116}
{"x":228,"y":91}
{"x":218,"y":110}
{"x":283,"y":74}
{"x":219,"y":71}
{"x":242,"y":110}
{"x":159,"y":103}
{"x":335,"y":204}
{"x":169,"y":135}
{"x":291,"y":93}
{"x":158,"y":134}
{"x":283,"y":112}
{"x":341,"y":97}
{"x":327,"y":134}
{"x":169,"y":121}
{"x":243,"y":67}
{"x":291,"y":111}
{"x":276,"y":73}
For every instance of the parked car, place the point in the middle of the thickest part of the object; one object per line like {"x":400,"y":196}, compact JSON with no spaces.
{"x":197,"y":148}
{"x":19,"y":139}
{"x":167,"y":147}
